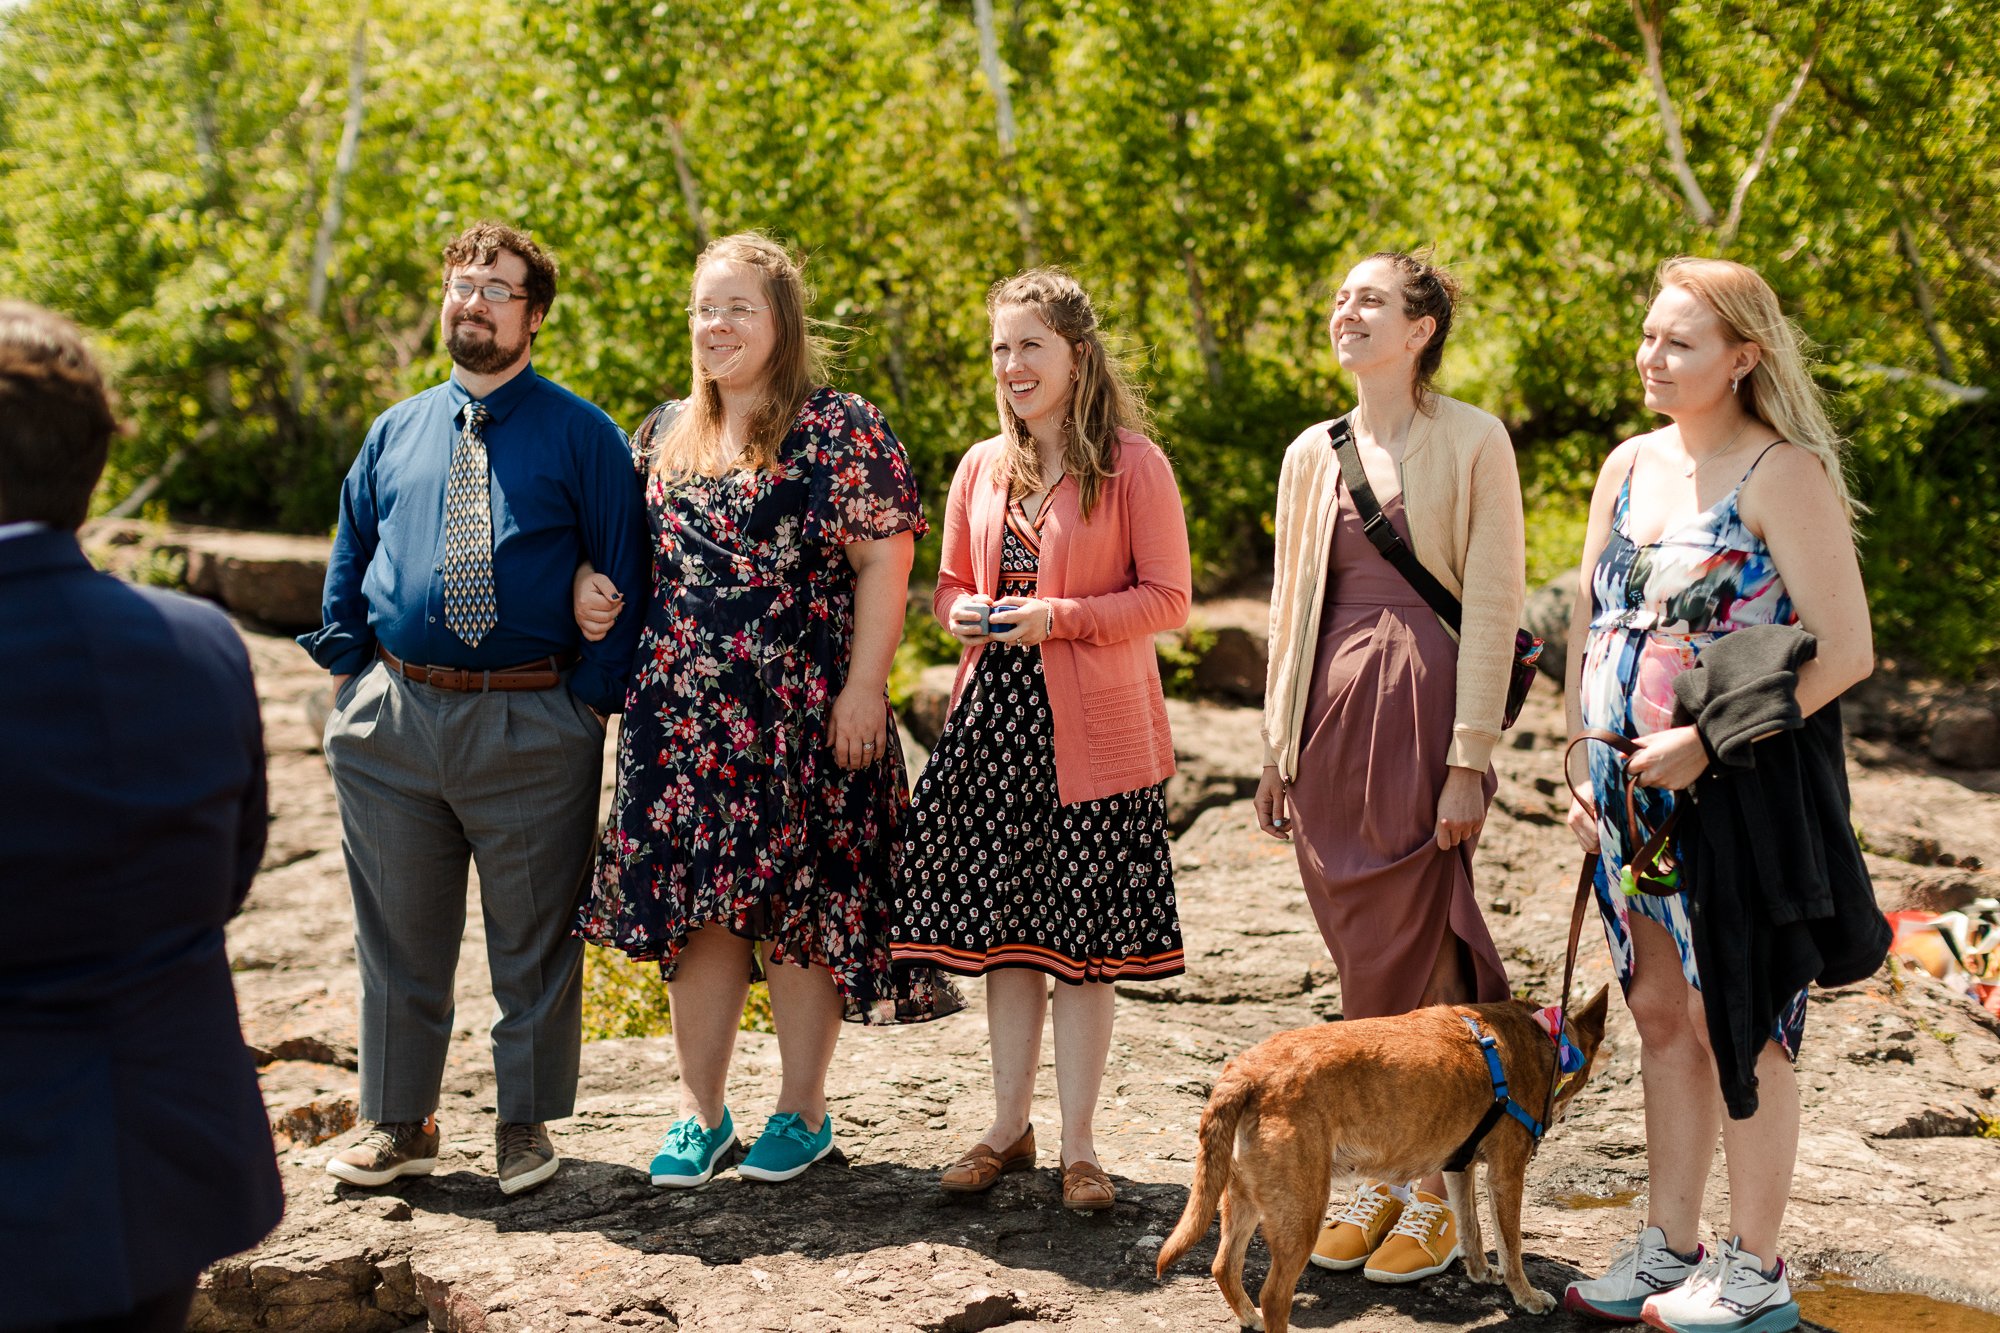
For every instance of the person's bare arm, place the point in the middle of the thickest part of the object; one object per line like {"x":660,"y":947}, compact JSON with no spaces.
{"x":859,"y":726}
{"x":1791,"y":504}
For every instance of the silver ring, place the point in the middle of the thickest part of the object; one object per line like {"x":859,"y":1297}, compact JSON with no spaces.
{"x":868,"y":745}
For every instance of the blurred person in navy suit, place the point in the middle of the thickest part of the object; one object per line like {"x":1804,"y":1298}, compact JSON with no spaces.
{"x":134,"y":1149}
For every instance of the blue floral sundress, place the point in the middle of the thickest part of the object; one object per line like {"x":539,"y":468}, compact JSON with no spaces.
{"x":1653,"y":609}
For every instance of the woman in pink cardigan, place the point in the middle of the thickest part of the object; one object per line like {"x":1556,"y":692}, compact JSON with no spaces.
{"x":1037,"y":839}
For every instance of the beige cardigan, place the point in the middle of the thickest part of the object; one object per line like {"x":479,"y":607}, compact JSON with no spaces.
{"x":1462,"y":498}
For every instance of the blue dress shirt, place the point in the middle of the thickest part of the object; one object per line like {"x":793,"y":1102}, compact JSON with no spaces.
{"x":563,"y":489}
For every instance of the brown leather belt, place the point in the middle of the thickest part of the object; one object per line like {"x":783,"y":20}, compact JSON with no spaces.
{"x":544,"y":673}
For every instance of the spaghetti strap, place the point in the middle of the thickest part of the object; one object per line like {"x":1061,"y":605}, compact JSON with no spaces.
{"x":1624,"y":505}
{"x":1758,"y":459}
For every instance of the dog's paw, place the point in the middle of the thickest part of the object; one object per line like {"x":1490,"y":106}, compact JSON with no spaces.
{"x":1483,"y":1272}
{"x":1255,"y":1323}
{"x":1536,"y":1301}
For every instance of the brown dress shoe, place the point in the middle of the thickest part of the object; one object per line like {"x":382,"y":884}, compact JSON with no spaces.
{"x":1086,"y":1189}
{"x":975,"y":1172}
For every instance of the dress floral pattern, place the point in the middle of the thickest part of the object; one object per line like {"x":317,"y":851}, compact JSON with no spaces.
{"x":1653,"y":609}
{"x":999,"y":873}
{"x":729,"y":807}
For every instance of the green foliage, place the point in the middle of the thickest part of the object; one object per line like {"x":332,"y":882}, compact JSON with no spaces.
{"x":1179,"y":655}
{"x":1209,"y":169}
{"x":625,"y":998}
{"x":161,"y":568}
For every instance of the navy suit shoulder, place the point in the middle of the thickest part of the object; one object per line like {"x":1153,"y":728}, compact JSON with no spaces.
{"x":137,"y":1150}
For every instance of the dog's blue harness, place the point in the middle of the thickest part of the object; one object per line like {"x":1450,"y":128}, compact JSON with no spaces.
{"x":1503,"y":1102}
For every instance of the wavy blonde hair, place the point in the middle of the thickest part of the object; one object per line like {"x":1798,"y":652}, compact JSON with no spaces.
{"x":1779,"y":390}
{"x":1102,"y":401}
{"x":693,"y":444}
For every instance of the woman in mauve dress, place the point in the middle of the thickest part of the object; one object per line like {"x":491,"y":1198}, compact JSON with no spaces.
{"x":1379,"y":723}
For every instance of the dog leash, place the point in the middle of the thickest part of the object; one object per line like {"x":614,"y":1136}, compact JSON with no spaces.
{"x":1503,"y":1102}
{"x":1658,"y":844}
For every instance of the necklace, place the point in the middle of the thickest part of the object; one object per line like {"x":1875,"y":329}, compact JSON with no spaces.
{"x":1694,"y":467}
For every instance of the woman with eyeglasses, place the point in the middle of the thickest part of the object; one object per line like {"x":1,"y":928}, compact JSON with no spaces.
{"x":1732,"y":519}
{"x":760,"y":787}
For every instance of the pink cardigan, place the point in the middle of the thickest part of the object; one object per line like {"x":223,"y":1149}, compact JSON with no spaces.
{"x":1113,"y":582}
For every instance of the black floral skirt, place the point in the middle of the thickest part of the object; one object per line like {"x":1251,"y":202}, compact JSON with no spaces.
{"x":998,"y":873}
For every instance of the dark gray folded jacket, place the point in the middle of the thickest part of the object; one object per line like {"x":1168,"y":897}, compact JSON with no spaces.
{"x":1745,"y":687}
{"x":1778,"y":893}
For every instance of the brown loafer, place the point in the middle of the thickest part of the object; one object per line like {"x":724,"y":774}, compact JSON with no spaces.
{"x":1086,"y":1189}
{"x":975,"y":1172}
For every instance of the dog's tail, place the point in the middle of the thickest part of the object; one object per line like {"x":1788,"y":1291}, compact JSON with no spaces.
{"x":1213,"y":1161}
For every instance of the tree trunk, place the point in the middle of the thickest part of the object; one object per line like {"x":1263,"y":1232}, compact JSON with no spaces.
{"x":1003,"y":111}
{"x":1926,"y":302}
{"x":344,"y":160}
{"x":1204,"y":329}
{"x":1650,"y":25}
{"x":690,"y":187}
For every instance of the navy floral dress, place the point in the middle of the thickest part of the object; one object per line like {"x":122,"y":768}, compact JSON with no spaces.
{"x":730,"y":808}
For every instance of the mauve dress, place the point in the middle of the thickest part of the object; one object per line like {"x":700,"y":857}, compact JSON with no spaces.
{"x":1371,"y":764}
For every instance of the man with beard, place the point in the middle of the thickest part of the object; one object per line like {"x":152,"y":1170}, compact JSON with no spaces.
{"x":468,"y":715}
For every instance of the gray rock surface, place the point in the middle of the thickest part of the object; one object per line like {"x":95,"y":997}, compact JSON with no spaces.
{"x":1546,"y":616}
{"x":1966,"y":736}
{"x":1894,"y":1184}
{"x":271,"y":578}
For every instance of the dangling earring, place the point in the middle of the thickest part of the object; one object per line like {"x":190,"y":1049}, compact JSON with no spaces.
{"x":1734,"y":381}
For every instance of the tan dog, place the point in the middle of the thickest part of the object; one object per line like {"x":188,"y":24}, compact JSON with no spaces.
{"x":1386,"y":1098}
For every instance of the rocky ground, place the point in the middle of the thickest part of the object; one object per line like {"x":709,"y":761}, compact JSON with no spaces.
{"x":1896,"y":1184}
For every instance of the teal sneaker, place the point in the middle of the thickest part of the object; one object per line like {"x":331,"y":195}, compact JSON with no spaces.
{"x":786,"y":1147}
{"x":690,"y":1153}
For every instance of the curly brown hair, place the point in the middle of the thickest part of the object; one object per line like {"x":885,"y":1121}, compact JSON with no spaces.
{"x":56,"y":418}
{"x":482,"y":242}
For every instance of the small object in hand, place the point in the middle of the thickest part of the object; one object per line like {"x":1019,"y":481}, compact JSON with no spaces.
{"x":987,"y":625}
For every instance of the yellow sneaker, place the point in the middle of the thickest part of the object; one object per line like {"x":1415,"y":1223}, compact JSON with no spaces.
{"x":1348,"y":1240}
{"x":1423,"y":1242}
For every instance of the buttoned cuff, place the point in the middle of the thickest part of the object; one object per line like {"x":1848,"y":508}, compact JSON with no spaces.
{"x":340,"y":651}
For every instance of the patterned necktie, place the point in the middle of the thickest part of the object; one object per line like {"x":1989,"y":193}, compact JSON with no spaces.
{"x":469,"y":607}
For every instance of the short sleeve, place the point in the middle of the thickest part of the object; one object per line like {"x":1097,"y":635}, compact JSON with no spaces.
{"x":642,"y":441}
{"x":862,"y":486}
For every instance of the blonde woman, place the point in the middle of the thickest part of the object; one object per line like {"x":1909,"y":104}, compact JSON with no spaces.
{"x":1379,"y":724}
{"x":1038,"y":837}
{"x":760,"y":787}
{"x":1735,"y":514}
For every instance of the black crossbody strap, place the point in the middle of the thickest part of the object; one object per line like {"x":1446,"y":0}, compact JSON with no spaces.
{"x":1382,"y":532}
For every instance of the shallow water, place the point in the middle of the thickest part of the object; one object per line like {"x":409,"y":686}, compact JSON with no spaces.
{"x":1833,"y":1301}
{"x":1617,"y":1199}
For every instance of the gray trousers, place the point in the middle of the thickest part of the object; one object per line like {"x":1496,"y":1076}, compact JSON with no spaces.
{"x":428,"y":780}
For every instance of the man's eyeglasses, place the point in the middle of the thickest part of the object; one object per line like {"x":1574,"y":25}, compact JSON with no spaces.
{"x":461,"y":291}
{"x":729,"y":314}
